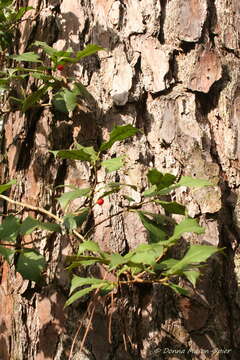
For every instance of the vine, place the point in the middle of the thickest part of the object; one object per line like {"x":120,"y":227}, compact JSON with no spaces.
{"x":149,"y":262}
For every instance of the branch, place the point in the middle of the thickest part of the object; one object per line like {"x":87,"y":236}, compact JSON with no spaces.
{"x":42,"y":211}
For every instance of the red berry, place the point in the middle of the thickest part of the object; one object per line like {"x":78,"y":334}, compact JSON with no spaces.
{"x":100,"y":201}
{"x":60,"y":67}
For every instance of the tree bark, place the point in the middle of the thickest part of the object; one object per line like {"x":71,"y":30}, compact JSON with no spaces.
{"x":170,"y":68}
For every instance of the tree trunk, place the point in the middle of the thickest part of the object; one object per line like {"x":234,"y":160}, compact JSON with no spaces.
{"x":171,"y":68}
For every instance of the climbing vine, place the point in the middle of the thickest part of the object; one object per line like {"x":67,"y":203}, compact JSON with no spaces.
{"x":151,"y":262}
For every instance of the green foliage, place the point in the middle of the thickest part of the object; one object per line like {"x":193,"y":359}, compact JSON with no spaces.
{"x":119,"y":133}
{"x":30,"y":264}
{"x":150,"y":262}
{"x":7,"y":186}
{"x":69,"y":196}
{"x":9,"y":18}
{"x":28,"y":56}
{"x":113,"y":164}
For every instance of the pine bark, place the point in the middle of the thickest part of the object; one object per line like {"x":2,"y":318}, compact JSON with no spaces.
{"x":170,"y":68}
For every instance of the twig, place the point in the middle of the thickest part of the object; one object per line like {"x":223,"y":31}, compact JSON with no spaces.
{"x":88,"y":327}
{"x":137,"y":280}
{"x":110,"y":321}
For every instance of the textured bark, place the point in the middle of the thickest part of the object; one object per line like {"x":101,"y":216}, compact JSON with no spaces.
{"x":172,"y":69}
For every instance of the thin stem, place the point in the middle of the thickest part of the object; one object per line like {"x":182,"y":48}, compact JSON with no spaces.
{"x":142,"y":281}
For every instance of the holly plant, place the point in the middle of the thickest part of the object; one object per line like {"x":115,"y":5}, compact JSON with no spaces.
{"x":149,"y":262}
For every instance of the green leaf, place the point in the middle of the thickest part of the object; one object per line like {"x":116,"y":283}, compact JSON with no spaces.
{"x":113,"y":164}
{"x":195,"y":254}
{"x":7,"y":186}
{"x":172,"y":207}
{"x":70,"y":99}
{"x":30,"y":224}
{"x":74,"y":221}
{"x":90,"y":151}
{"x":80,"y":281}
{"x":34,"y":98}
{"x":160,"y":180}
{"x":154,"y":176}
{"x":116,"y":260}
{"x":105,"y":289}
{"x":6,"y":253}
{"x":118,"y":184}
{"x":89,"y":50}
{"x":167,"y":180}
{"x":187,"y":225}
{"x":192,"y":276}
{"x":28,"y":56}
{"x":88,"y":246}
{"x":144,"y":254}
{"x":41,"y":76}
{"x":156,"y":234}
{"x":59,"y":102}
{"x":48,"y":49}
{"x":9,"y":229}
{"x":5,"y":3}
{"x":81,"y":293}
{"x":22,"y":11}
{"x":117,"y":134}
{"x":80,"y":89}
{"x":152,"y":191}
{"x":178,"y":289}
{"x":82,"y":153}
{"x":65,"y":199}
{"x":128,"y":198}
{"x":30,"y":264}
{"x":165,"y":264}
{"x":192,"y":182}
